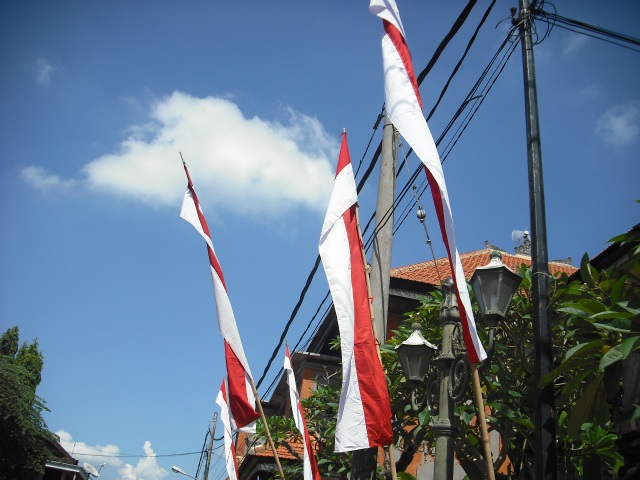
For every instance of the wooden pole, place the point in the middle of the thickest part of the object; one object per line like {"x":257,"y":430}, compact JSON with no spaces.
{"x":392,"y":460}
{"x":483,"y":422}
{"x":210,"y":449}
{"x":266,"y":429}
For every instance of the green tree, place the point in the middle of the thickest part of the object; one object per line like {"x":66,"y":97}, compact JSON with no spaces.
{"x":595,"y":327}
{"x":23,"y":451}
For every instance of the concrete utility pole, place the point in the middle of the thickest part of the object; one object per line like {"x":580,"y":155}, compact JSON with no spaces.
{"x":545,"y":421}
{"x":382,"y":243}
{"x":363,"y":466}
{"x":210,"y":449}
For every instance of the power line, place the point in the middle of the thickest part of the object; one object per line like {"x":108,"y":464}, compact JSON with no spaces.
{"x":452,"y":32}
{"x":127,"y":455}
{"x":474,"y":99}
{"x":553,"y":19}
{"x":478,"y":100}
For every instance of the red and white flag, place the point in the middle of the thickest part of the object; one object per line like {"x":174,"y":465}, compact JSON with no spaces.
{"x":404,"y":108}
{"x":364,"y":416}
{"x":229,"y":447}
{"x":310,"y":467}
{"x":242,"y":400}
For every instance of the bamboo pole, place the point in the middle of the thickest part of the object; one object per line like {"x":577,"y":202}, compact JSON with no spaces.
{"x":392,"y":460}
{"x":483,"y":422}
{"x":266,"y":429}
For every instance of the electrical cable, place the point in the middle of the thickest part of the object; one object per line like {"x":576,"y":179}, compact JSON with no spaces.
{"x":553,"y":19}
{"x":470,"y":97}
{"x":293,"y":315}
{"x":457,"y":67}
{"x":458,"y":23}
{"x":317,"y":263}
{"x":404,"y":191}
{"x":204,"y":446}
{"x":445,"y":41}
{"x":467,"y":119}
{"x":142,"y":456}
{"x":375,"y":128}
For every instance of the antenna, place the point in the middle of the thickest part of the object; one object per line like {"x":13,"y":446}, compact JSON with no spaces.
{"x":91,"y":469}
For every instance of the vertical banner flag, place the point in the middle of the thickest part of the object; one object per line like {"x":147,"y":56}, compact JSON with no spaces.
{"x":404,"y":108}
{"x":364,"y":415}
{"x":229,"y":448}
{"x":241,"y":398}
{"x":310,"y":467}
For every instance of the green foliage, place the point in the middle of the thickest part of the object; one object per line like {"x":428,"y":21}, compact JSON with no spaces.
{"x":22,"y":449}
{"x":9,"y":342}
{"x":595,"y":326}
{"x":32,"y":360}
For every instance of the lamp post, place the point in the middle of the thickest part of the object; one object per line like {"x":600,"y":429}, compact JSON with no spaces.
{"x":179,"y":470}
{"x":494,"y":285}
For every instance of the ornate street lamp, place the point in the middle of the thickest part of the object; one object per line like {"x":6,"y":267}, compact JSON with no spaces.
{"x":494,"y":285}
{"x":415,"y":355}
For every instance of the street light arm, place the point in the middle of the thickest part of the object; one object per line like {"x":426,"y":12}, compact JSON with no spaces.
{"x":414,"y":401}
{"x":179,"y":470}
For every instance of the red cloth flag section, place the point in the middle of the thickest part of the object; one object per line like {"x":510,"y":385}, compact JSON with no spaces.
{"x":310,"y":467}
{"x":242,"y":400}
{"x":404,"y":108}
{"x":364,"y":416}
{"x":229,"y":448}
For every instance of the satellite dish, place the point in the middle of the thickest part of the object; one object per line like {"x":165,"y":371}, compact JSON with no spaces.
{"x":91,"y":469}
{"x":519,"y":236}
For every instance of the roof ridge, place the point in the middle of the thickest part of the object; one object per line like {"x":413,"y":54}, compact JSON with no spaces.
{"x":438,"y":261}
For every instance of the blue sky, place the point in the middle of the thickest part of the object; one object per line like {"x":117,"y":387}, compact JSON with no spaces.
{"x":98,"y":99}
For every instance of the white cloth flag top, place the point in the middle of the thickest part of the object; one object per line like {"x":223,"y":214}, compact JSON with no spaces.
{"x":229,"y":447}
{"x":310,"y":466}
{"x":242,"y":400}
{"x":404,"y":108}
{"x":364,"y":414}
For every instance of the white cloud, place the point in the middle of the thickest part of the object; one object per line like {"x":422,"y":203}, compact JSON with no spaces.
{"x":574,"y":42}
{"x":620,"y":125}
{"x":237,"y":163}
{"x":588,"y":93}
{"x":38,"y":178}
{"x":146,"y":469}
{"x":43,"y":71}
{"x":95,"y":455}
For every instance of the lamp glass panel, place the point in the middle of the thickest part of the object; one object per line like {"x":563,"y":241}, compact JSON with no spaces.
{"x":415,"y":361}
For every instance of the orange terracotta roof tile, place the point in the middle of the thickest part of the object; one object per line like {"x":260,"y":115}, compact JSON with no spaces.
{"x":427,"y":272}
{"x":283,"y":453}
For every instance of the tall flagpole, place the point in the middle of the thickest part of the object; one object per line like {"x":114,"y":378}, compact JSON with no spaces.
{"x":266,"y":429}
{"x":482,"y":419}
{"x":253,"y":386}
